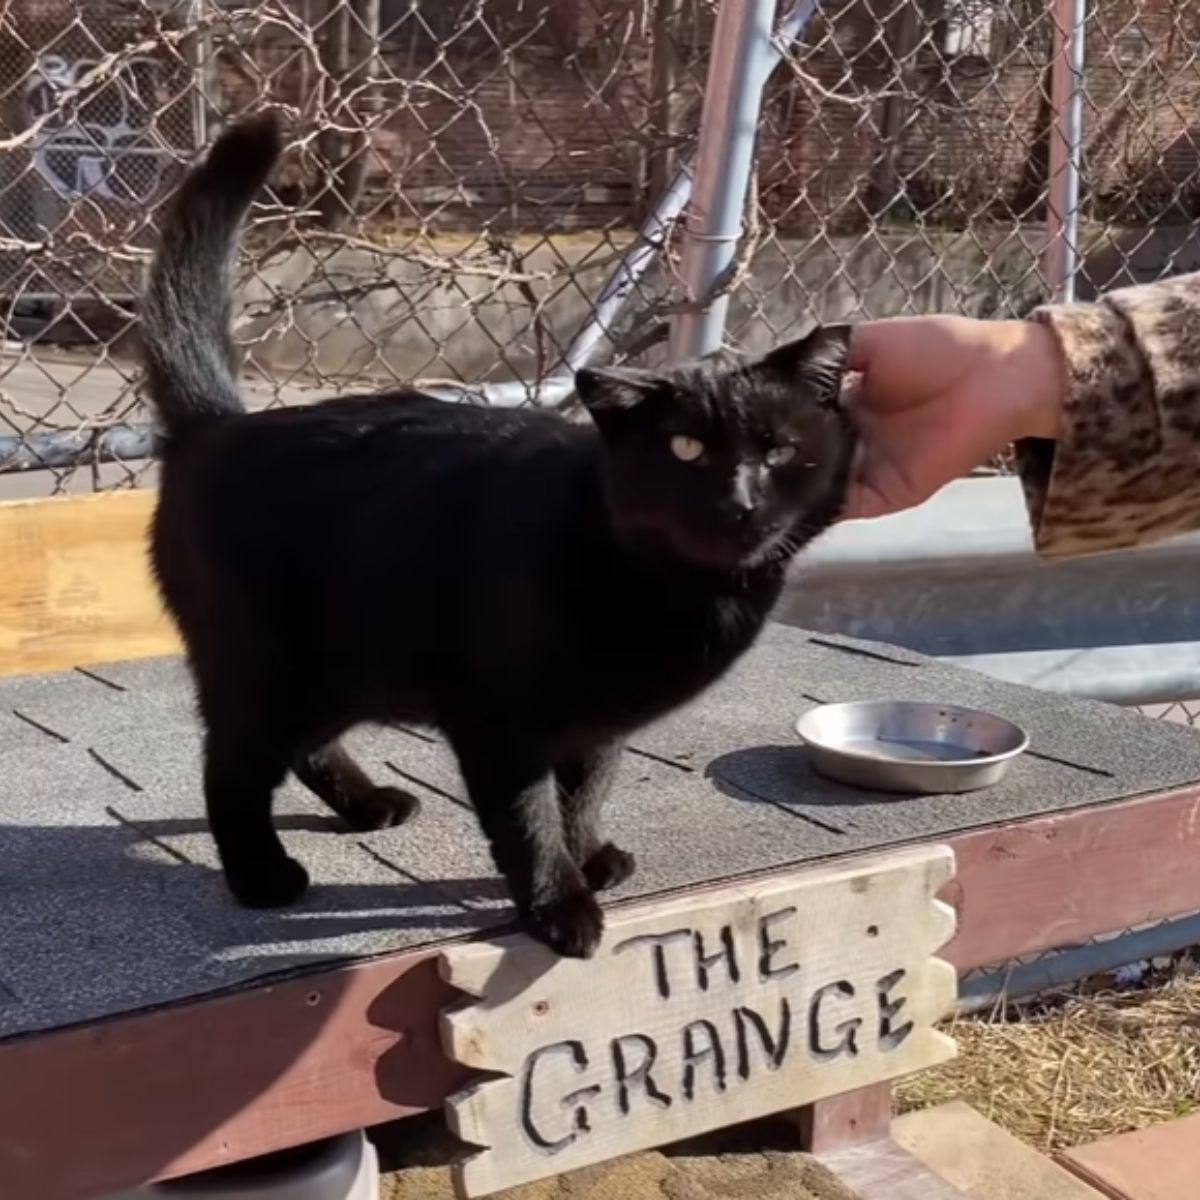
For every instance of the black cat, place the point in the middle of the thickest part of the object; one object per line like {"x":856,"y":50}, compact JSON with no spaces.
{"x":534,"y":588}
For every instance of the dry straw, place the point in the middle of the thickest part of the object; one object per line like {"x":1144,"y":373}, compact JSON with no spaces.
{"x":1086,"y":1067}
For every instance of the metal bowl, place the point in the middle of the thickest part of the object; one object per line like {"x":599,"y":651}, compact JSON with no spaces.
{"x":906,"y":746}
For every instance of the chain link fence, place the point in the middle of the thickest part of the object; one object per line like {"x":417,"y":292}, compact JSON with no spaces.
{"x":480,"y":194}
{"x":467,"y":175}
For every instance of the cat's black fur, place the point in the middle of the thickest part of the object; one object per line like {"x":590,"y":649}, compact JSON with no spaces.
{"x":534,"y":588}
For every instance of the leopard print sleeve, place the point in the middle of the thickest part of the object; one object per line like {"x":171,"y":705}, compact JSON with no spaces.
{"x":1126,"y":466}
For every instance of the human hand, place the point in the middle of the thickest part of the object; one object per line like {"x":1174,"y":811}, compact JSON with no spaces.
{"x":938,"y":396}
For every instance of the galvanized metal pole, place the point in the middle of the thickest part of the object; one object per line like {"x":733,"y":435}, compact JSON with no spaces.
{"x":741,"y":61}
{"x":1061,"y":261}
{"x":657,"y":226}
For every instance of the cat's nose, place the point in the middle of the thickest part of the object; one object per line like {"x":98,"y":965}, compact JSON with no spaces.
{"x":743,"y":496}
{"x":737,"y":510}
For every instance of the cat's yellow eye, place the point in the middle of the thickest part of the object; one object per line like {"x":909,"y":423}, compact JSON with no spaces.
{"x":686,"y":449}
{"x":777,"y":456}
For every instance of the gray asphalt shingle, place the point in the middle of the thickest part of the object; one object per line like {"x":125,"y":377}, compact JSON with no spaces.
{"x":110,"y":900}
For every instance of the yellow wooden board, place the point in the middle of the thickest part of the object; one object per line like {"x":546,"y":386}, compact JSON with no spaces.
{"x":75,"y":584}
{"x":982,"y":1160}
{"x":698,"y":1012}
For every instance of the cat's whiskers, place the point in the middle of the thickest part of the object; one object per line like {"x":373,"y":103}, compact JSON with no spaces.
{"x":789,"y":545}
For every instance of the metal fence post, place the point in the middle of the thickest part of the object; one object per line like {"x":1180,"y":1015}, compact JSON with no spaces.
{"x":657,"y":226}
{"x":741,"y":62}
{"x":1066,"y":145}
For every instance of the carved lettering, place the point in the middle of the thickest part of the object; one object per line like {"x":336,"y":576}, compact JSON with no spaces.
{"x":769,"y":947}
{"x":846,"y":1031}
{"x":726,"y":954}
{"x":702,"y":1044}
{"x":696,"y":1014}
{"x":891,"y":1036}
{"x":629,"y":1073}
{"x":774,"y":1045}
{"x":580,"y":1122}
{"x":659,"y":942}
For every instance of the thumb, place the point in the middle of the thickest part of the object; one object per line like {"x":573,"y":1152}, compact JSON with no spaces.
{"x":863,"y":500}
{"x":881,"y":484}
{"x":864,"y":503}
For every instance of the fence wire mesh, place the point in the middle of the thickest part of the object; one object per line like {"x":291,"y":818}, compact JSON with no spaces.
{"x":466,"y":177}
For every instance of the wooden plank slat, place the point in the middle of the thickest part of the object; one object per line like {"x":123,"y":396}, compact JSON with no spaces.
{"x":1060,"y":879}
{"x":1159,"y":1163}
{"x":77,"y":586}
{"x":886,"y":1171}
{"x":982,"y":1160}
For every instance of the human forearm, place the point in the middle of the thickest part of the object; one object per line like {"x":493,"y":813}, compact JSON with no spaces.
{"x":1122,"y":466}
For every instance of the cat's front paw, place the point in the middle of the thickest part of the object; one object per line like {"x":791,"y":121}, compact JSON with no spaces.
{"x":381,"y":808}
{"x":269,"y":885}
{"x":570,"y":923}
{"x":608,"y":867}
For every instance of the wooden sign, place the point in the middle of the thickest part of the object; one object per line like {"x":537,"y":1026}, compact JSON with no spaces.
{"x":698,"y":1012}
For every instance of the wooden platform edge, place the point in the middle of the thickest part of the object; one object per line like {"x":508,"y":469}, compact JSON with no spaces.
{"x":98,"y":1108}
{"x":77,"y":584}
{"x":1059,"y":879}
{"x":239,"y":1075}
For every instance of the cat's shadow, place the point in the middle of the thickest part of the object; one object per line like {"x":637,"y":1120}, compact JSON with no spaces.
{"x":99,"y":885}
{"x":781,"y":776}
{"x":477,"y":893}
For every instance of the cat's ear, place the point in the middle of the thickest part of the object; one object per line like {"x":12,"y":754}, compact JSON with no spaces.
{"x":817,"y":360}
{"x":614,"y":389}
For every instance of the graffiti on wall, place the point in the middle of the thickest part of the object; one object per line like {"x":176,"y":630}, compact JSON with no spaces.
{"x":97,"y":140}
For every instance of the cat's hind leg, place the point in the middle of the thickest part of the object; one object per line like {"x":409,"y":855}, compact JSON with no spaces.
{"x":583,"y":786}
{"x":243,"y":765}
{"x":344,"y":786}
{"x":251,"y":737}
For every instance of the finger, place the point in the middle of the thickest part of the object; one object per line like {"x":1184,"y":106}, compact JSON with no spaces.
{"x":905,"y":360}
{"x":863,"y":339}
{"x":871,"y":342}
{"x":851,"y":396}
{"x":862,"y":498}
{"x":853,"y":500}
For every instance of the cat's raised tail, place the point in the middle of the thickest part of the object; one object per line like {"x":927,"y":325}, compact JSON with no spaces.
{"x":191,"y":365}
